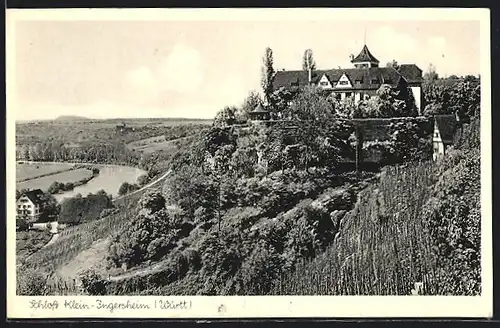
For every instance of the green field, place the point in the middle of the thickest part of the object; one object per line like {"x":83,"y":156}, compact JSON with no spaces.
{"x":153,"y":144}
{"x":63,"y":177}
{"x":76,"y":133}
{"x":28,"y":171}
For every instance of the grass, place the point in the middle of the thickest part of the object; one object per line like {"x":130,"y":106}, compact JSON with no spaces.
{"x":29,"y":242}
{"x":82,"y":132}
{"x":63,"y":177}
{"x":28,"y":171}
{"x":153,"y":144}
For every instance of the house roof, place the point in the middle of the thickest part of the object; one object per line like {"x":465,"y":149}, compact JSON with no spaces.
{"x":447,"y":125}
{"x":365,"y":56}
{"x":361,"y":78}
{"x":35,"y":195}
{"x":260,"y":109}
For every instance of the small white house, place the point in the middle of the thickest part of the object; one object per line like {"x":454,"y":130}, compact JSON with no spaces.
{"x":29,"y":205}
{"x":445,"y":127}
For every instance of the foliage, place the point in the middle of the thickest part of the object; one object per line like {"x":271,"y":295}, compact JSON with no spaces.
{"x":126,"y":188}
{"x":309,"y":104}
{"x":225,"y":117}
{"x":267,"y":75}
{"x":431,"y":74}
{"x":92,"y":283}
{"x":394,"y":64}
{"x":308,"y":62}
{"x":78,"y":209}
{"x":419,"y":223}
{"x":49,"y":208}
{"x":252,"y":100}
{"x":151,"y":235}
{"x":21,"y":224}
{"x":191,"y":190}
{"x":143,"y":180}
{"x":462,"y":96}
{"x":31,"y":283}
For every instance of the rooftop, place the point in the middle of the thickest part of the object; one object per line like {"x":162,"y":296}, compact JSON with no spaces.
{"x":365,"y":56}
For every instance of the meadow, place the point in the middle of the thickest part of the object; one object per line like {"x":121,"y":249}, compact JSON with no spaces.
{"x":154,"y":144}
{"x":76,"y":133}
{"x":28,"y":171}
{"x":44,"y":182}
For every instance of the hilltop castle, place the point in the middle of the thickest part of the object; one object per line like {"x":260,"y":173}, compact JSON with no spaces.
{"x":360,"y":82}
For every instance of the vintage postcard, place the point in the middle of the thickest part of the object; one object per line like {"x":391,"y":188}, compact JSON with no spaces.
{"x":228,"y":163}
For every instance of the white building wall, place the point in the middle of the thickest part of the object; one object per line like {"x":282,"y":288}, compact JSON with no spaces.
{"x":417,"y":94}
{"x":357,"y":97}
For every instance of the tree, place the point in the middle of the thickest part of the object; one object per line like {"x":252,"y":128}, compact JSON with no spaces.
{"x":93,"y":283}
{"x":143,"y":180}
{"x":431,"y":73}
{"x":280,"y":99}
{"x":49,"y":209}
{"x":152,"y":201}
{"x":394,"y":64}
{"x":124,"y":188}
{"x":310,"y":104}
{"x":308,"y":62}
{"x":225,"y":117}
{"x":267,"y":77}
{"x":249,"y":104}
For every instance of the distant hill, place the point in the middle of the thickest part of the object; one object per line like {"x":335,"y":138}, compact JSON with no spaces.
{"x":72,"y":118}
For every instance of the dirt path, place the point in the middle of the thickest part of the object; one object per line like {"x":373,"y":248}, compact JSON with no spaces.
{"x":94,"y":256}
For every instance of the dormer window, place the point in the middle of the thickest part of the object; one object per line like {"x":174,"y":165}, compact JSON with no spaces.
{"x":344,"y":82}
{"x":323,"y":83}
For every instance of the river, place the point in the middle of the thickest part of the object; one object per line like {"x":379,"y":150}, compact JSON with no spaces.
{"x":110,"y":179}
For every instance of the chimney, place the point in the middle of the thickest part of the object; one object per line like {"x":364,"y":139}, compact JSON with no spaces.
{"x":309,"y":75}
{"x":351,"y":57}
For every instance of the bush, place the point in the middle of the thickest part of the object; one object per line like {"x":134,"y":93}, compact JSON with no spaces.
{"x":92,"y":283}
{"x":80,"y":209}
{"x":126,"y":188}
{"x":21,"y":224}
{"x":31,"y":283}
{"x":142,"y":180}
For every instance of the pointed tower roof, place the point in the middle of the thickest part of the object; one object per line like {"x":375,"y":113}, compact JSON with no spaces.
{"x":365,"y":56}
{"x":260,"y":109}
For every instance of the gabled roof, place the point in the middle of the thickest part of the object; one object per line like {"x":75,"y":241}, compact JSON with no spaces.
{"x":260,"y":109}
{"x":411,"y":72}
{"x":361,"y":78}
{"x":447,"y":125}
{"x":35,"y":195}
{"x":365,"y":56}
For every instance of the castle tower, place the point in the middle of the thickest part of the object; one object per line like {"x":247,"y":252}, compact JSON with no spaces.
{"x":365,"y":59}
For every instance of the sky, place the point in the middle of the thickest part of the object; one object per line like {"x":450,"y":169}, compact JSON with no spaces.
{"x":106,"y":69}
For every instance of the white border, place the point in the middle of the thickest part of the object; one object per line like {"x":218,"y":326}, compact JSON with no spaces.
{"x":269,"y":306}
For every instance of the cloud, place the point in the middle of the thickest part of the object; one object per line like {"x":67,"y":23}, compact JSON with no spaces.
{"x":386,"y":36}
{"x":437,"y":43}
{"x":181,"y":71}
